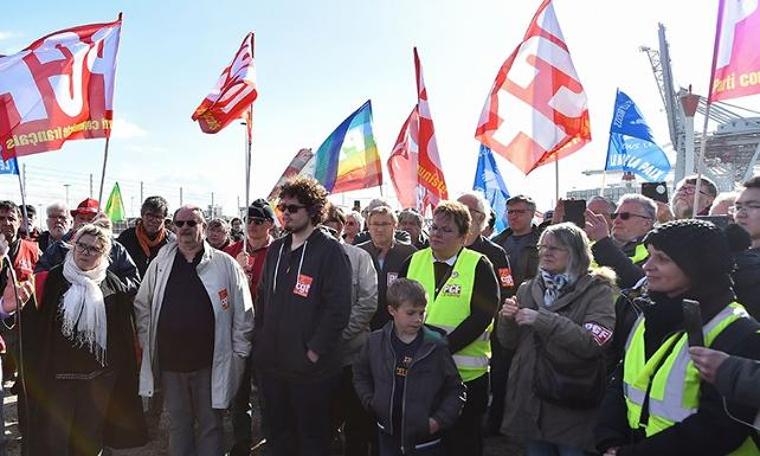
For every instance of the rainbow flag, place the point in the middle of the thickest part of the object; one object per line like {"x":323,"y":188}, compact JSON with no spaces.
{"x":348,"y":159}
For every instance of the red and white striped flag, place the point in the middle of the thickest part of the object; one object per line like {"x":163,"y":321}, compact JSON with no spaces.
{"x":414,"y":166}
{"x":536,"y":111}
{"x":234,"y":93}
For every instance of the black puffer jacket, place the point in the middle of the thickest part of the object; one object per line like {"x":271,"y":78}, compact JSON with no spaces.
{"x":434,"y":388}
{"x":747,"y":280}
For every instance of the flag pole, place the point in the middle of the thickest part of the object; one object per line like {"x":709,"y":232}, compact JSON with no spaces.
{"x":604,"y":183}
{"x":703,"y":140}
{"x":556,"y":180}
{"x":248,"y":148}
{"x":103,"y":174}
{"x":23,"y":196}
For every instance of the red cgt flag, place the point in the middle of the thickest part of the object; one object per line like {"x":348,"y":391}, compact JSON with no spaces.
{"x":58,"y":88}
{"x":234,"y":92}
{"x":414,"y":165}
{"x":536,"y":110}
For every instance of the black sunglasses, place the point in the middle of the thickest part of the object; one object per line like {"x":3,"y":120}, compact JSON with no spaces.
{"x":626,"y":215}
{"x":181,"y":223}
{"x":292,"y":208}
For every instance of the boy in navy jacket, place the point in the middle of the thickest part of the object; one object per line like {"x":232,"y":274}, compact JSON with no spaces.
{"x":407,"y":378}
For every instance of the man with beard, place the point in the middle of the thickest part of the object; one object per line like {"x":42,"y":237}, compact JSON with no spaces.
{"x":682,"y":203}
{"x":146,"y":238}
{"x":305,"y":300}
{"x":58,"y":223}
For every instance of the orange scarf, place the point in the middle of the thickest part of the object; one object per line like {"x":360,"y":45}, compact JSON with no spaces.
{"x":145,"y":242}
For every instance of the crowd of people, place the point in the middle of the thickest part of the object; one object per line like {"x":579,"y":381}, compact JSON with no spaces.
{"x":382,"y":333}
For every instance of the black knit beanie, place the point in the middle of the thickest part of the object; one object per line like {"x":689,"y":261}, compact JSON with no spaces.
{"x":698,"y":247}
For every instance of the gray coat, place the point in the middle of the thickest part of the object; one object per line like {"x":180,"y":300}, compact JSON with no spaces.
{"x":738,"y":380}
{"x":363,"y":303}
{"x":562,"y":327}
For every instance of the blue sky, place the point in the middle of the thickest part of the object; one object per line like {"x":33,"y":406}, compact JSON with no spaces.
{"x":317,"y":61}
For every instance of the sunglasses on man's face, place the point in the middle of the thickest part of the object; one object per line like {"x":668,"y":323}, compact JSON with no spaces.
{"x":292,"y":208}
{"x":257,"y":221}
{"x":626,"y":215}
{"x":181,"y":223}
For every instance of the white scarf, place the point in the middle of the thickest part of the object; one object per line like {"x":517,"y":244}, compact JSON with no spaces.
{"x":82,"y":309}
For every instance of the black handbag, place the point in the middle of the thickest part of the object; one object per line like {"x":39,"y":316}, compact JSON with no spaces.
{"x":571,"y":383}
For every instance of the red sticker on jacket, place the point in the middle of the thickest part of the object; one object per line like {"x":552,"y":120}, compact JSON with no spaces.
{"x":505,"y":278}
{"x":600,"y":333}
{"x":224,"y":297}
{"x":303,"y":284}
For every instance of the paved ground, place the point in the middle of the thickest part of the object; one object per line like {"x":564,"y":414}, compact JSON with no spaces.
{"x":159,"y":443}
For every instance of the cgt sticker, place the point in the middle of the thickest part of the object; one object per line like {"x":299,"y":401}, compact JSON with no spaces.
{"x":600,"y":333}
{"x":224,"y":297}
{"x":303,"y":285}
{"x":452,"y":289}
{"x":505,"y":278}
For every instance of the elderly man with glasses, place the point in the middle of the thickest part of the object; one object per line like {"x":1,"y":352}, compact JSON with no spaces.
{"x":621,"y":248}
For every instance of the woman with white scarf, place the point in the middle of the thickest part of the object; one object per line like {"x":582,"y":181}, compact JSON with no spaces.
{"x":559,"y":323}
{"x":81,"y":366}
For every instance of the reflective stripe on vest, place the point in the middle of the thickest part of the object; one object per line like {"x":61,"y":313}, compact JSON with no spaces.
{"x":452,"y":306}
{"x":674,"y":392}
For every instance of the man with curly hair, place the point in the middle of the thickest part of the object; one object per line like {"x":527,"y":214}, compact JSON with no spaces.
{"x":304,"y":298}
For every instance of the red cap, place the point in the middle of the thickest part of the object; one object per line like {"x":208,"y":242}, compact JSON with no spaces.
{"x":88,"y":206}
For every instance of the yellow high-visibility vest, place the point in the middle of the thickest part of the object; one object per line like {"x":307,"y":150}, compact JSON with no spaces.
{"x":674,"y":392}
{"x":452,"y":306}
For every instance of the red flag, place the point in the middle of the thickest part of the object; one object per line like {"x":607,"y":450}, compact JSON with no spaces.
{"x":414,"y":165}
{"x":58,"y":88}
{"x":736,"y":58}
{"x":234,"y":92}
{"x":536,"y":110}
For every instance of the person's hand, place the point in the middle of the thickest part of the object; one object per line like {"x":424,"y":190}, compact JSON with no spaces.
{"x":664,"y":214}
{"x":526,"y":317}
{"x":596,"y":226}
{"x":509,"y":309}
{"x":24,"y":290}
{"x":242,"y":258}
{"x":312,"y":355}
{"x":434,"y":426}
{"x":611,"y":451}
{"x":559,"y":212}
{"x":707,"y":362}
{"x":4,"y":247}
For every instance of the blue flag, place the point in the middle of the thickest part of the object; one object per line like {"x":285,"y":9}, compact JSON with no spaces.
{"x":489,"y":181}
{"x":632,"y":147}
{"x":9,"y":167}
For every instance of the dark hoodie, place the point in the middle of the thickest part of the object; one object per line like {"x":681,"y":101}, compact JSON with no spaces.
{"x":311,"y":316}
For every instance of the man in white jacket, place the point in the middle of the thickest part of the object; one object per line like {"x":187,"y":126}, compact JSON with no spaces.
{"x":194,"y":321}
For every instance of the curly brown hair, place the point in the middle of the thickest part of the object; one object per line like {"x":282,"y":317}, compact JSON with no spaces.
{"x":309,"y":192}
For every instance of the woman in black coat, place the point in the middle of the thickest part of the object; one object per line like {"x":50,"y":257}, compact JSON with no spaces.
{"x":81,"y":364}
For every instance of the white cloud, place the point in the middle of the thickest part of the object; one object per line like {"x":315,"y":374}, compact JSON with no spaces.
{"x":124,"y":129}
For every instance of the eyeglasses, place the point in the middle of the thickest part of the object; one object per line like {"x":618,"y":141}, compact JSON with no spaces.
{"x":738,"y":207}
{"x":257,"y":221}
{"x":627,"y":215}
{"x":152,"y":216}
{"x":690,"y":189}
{"x":550,"y":248}
{"x":517,"y":211}
{"x":181,"y":223}
{"x":61,"y":218}
{"x":292,"y":208}
{"x":350,"y":223}
{"x":88,"y":249}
